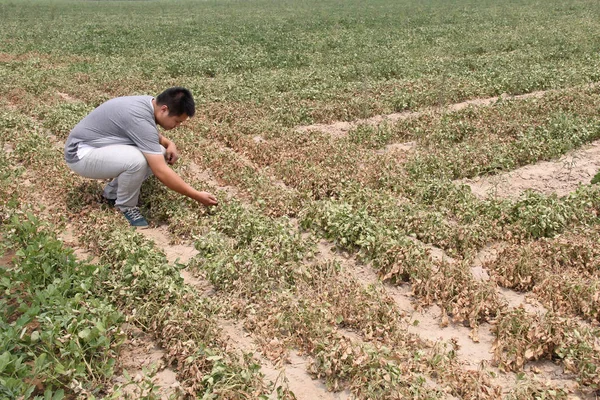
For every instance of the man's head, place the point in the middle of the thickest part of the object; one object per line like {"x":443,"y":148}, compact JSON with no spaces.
{"x":173,"y":106}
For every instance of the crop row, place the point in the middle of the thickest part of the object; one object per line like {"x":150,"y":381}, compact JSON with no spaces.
{"x":133,"y":277}
{"x":448,"y":144}
{"x":318,"y":166}
{"x":522,"y":337}
{"x":286,"y":299}
{"x":141,"y":284}
{"x":268,"y":257}
{"x":343,"y":64}
{"x":31,"y":147}
{"x":60,"y":334}
{"x":562,"y":272}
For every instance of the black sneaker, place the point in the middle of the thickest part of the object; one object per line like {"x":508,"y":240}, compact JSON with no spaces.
{"x":110,"y":202}
{"x":135,"y":218}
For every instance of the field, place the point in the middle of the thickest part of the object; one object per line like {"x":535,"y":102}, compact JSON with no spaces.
{"x":406,"y":207}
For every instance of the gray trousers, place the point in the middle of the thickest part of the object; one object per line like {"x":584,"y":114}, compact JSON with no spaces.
{"x":126,"y":164}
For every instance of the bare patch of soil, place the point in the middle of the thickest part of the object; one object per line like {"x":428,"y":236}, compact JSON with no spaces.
{"x":6,"y":259}
{"x":562,"y":176}
{"x":517,"y":299}
{"x":237,"y":338}
{"x":426,"y":324}
{"x":337,"y":129}
{"x":181,"y":253}
{"x":557,"y":377}
{"x":438,"y":254}
{"x":340,"y":129}
{"x":303,"y":385}
{"x":178,"y":253}
{"x":68,"y":238}
{"x":487,"y":254}
{"x":206,"y":176}
{"x":397,"y":148}
{"x":67,"y":97}
{"x":139,"y":353}
{"x":293,"y":371}
{"x":435,"y":253}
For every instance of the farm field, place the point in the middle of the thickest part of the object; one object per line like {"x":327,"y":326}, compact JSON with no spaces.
{"x":405,"y":202}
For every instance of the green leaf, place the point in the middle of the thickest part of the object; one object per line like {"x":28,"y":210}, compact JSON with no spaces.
{"x":100,"y":326}
{"x":84,"y":334}
{"x":4,"y":361}
{"x":59,"y":368}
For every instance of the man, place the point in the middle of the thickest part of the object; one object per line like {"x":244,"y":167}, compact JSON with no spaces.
{"x":120,"y":140}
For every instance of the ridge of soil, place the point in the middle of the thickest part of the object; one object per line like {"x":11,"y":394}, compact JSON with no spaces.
{"x":561,"y":176}
{"x":339,"y":129}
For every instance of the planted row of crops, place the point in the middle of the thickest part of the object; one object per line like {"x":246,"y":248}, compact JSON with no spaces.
{"x":371,"y":223}
{"x":256,"y":75}
{"x":59,"y":332}
{"x":136,"y":279}
{"x":273,"y":288}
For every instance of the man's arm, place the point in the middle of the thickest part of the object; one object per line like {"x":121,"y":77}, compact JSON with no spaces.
{"x":172,"y":154}
{"x":174,"y":182}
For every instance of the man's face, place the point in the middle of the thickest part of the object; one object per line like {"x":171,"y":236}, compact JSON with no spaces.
{"x":167,"y":121}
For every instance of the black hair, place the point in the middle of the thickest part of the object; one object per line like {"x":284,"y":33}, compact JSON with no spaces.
{"x":178,"y":100}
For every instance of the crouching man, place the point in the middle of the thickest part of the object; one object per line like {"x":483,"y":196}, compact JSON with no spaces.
{"x":120,"y":140}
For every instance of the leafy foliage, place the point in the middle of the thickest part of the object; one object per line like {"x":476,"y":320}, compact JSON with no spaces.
{"x":58,"y":331}
{"x":379,"y":193}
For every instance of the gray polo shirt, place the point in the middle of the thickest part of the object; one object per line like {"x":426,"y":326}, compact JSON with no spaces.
{"x":123,"y":120}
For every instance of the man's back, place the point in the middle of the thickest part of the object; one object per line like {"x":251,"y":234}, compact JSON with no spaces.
{"x":124,"y":120}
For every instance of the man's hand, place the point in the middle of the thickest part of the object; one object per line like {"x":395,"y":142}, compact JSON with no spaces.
{"x":206,"y":198}
{"x":171,"y":155}
{"x":170,"y":179}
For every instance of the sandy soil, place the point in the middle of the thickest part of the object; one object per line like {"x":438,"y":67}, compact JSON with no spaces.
{"x":138,"y":353}
{"x":341,"y":128}
{"x":561,"y":176}
{"x":293,"y":372}
{"x":179,"y":253}
{"x":67,"y":97}
{"x":473,"y":352}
